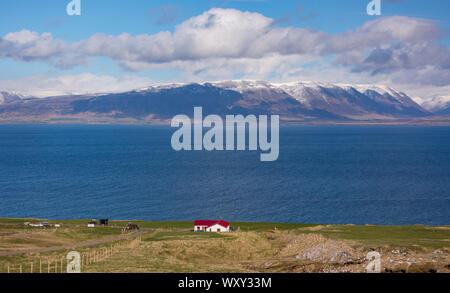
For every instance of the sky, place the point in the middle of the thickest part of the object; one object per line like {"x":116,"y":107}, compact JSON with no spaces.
{"x":122,"y":45}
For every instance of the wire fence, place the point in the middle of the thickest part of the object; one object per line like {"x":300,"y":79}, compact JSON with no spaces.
{"x":62,"y":264}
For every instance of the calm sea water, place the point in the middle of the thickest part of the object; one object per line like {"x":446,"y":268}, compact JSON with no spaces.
{"x":325,"y":174}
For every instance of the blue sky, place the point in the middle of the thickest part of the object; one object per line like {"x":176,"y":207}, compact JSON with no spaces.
{"x":135,"y":17}
{"x":333,"y":21}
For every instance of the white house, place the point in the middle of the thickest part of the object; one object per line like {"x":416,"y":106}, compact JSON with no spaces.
{"x":211,"y":226}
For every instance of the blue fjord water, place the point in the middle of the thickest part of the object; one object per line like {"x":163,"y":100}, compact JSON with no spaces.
{"x":325,"y":174}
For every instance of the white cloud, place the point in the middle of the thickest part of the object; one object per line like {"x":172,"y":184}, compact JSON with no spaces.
{"x":217,"y":33}
{"x":398,"y":41}
{"x":384,"y":30}
{"x":228,"y":43}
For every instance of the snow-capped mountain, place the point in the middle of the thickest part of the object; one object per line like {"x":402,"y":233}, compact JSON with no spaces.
{"x":294,"y":102}
{"x":9,"y":97}
{"x":351,"y":101}
{"x":439,"y":105}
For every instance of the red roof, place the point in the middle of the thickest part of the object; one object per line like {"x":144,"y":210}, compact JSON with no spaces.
{"x":211,"y":223}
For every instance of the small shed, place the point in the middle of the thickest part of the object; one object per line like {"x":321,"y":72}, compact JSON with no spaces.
{"x":92,"y":224}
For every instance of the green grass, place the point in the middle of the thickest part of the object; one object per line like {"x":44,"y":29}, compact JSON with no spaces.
{"x":173,"y":247}
{"x":85,"y":233}
{"x":408,"y":236}
{"x":17,"y":221}
{"x":165,"y":236}
{"x":404,"y":236}
{"x":26,"y":259}
{"x":248,"y":226}
{"x":245,"y":226}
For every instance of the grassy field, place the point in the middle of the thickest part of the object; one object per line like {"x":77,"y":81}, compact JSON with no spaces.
{"x":253,"y":247}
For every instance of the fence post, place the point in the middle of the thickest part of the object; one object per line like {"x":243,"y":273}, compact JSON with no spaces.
{"x":20,"y":269}
{"x":40,"y":266}
{"x":48,"y":266}
{"x":62,"y":263}
{"x":56,"y":266}
{"x":31,"y":268}
{"x":8,"y":268}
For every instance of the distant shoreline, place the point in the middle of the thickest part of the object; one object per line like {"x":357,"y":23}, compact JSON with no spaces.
{"x":183,"y":223}
{"x":443,"y":122}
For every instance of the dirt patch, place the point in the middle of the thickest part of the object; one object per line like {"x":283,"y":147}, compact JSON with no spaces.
{"x":438,"y":228}
{"x":315,"y":228}
{"x":64,"y":244}
{"x":35,"y":240}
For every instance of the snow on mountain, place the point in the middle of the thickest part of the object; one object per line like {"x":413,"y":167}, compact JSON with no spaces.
{"x":351,"y":101}
{"x":9,"y":97}
{"x":293,"y":101}
{"x":437,"y":104}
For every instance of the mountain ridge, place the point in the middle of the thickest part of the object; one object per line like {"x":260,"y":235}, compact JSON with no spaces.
{"x":9,"y":97}
{"x":293,"y":101}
